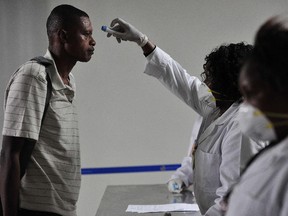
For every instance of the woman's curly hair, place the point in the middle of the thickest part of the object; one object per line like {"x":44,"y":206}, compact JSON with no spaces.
{"x":222,"y":69}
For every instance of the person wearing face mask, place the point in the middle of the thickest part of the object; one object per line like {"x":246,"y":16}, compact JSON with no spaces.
{"x":222,"y":150}
{"x":263,"y":187}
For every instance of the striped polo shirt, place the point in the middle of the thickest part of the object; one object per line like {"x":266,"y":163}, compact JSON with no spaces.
{"x":52,"y":179}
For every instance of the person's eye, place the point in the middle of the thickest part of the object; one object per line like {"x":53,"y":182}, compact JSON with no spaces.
{"x":87,"y":34}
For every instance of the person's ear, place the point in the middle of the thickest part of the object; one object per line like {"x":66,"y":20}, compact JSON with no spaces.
{"x":63,"y":35}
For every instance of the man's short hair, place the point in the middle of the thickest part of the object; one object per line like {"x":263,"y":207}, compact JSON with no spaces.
{"x":63,"y":16}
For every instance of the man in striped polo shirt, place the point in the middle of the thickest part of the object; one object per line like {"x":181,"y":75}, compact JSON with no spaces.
{"x":40,"y":158}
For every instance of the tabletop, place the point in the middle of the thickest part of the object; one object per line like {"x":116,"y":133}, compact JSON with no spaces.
{"x":116,"y":199}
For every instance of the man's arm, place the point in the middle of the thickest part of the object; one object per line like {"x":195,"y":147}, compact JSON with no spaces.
{"x":15,"y":154}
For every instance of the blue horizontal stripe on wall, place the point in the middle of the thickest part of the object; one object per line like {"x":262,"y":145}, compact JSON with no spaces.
{"x":129,"y":169}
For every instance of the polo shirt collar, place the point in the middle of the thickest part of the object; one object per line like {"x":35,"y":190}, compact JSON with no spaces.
{"x":56,"y":80}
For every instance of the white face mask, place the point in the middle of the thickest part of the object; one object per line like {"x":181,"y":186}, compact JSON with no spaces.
{"x":254,"y":124}
{"x":205,"y":95}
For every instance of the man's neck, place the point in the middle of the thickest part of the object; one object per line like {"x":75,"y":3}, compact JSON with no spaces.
{"x":64,"y":66}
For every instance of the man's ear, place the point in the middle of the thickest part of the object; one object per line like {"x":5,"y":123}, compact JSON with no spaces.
{"x":63,"y":35}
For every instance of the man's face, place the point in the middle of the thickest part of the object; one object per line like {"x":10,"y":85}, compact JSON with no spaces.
{"x":80,"y":43}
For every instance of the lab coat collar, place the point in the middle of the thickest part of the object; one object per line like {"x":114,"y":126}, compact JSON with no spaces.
{"x":227,"y":114}
{"x":230,"y":113}
{"x":56,"y":80}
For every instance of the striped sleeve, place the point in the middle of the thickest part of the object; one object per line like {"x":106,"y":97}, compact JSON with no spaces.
{"x":25,"y":102}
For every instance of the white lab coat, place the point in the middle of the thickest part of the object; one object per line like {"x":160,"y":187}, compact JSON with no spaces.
{"x":222,"y":149}
{"x":184,"y":172}
{"x":263,"y":188}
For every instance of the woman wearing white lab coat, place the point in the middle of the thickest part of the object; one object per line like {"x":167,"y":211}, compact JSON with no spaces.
{"x":263,"y":187}
{"x":222,"y":150}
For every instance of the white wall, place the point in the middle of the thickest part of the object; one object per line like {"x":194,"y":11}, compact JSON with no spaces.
{"x":126,"y":117}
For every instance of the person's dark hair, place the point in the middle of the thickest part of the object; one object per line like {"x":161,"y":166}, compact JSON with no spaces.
{"x":269,"y":60}
{"x":222,"y":69}
{"x":63,"y":16}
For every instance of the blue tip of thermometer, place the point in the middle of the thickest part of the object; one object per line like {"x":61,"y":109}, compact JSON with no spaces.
{"x":107,"y":29}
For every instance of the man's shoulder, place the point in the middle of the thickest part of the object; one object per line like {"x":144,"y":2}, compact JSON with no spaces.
{"x":33,"y":68}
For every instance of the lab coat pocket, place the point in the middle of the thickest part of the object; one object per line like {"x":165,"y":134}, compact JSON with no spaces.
{"x":207,"y":171}
{"x":206,"y":178}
